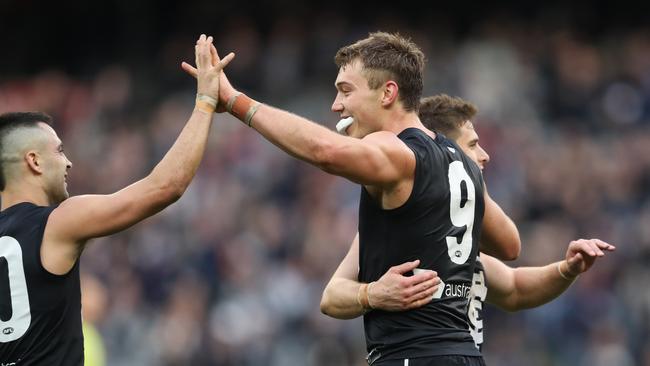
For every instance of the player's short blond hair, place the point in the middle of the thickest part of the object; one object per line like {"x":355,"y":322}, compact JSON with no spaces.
{"x":386,"y":56}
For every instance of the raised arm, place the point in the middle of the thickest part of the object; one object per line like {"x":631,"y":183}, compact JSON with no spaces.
{"x":379,"y":159}
{"x":499,"y":234}
{"x":80,"y":218}
{"x":514,"y":289}
{"x":344,"y":296}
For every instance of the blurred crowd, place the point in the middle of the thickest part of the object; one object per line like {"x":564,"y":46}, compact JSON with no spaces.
{"x":232,"y":273}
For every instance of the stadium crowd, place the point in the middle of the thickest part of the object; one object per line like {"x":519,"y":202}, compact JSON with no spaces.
{"x":232,"y":273}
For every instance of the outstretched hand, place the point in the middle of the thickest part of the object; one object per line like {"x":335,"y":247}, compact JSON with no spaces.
{"x":209,"y":67}
{"x":224,"y":88}
{"x":582,"y":254}
{"x":396,"y":292}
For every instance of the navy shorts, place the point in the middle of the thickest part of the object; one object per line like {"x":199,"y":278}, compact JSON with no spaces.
{"x":450,"y":360}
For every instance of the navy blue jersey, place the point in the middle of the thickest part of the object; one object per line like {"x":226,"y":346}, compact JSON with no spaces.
{"x":439,"y":224}
{"x":40,"y":313}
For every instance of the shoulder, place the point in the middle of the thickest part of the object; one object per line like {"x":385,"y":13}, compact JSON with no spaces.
{"x":387,"y":141}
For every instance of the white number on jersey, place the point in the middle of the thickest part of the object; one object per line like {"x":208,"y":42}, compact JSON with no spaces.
{"x":462,"y":216}
{"x":21,"y":316}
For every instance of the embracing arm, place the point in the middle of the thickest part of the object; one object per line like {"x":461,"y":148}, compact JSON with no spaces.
{"x":514,"y":289}
{"x":342,"y":297}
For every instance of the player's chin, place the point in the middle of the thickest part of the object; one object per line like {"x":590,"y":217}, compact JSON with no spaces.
{"x":355,"y":131}
{"x":63,"y":196}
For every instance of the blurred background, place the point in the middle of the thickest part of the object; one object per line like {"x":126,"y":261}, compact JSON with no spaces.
{"x":232,"y":273}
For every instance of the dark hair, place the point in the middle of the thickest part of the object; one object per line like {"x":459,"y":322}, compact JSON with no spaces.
{"x":14,"y":120}
{"x":446,"y":114}
{"x":384,"y":57}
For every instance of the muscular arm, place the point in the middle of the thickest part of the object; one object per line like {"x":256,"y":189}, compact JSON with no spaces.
{"x":514,"y":289}
{"x":379,"y":159}
{"x":340,"y":295}
{"x":81,"y":218}
{"x":499,"y":234}
{"x":392,"y":292}
{"x":521,"y":288}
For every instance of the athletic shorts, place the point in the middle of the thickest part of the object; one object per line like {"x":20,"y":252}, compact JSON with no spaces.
{"x":450,"y":360}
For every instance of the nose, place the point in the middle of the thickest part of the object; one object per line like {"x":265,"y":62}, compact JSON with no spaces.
{"x":483,"y":156}
{"x":68,"y":164}
{"x":337,"y":106}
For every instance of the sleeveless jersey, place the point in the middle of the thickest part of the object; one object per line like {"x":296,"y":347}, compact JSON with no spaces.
{"x":40,"y":313}
{"x":439,"y":224}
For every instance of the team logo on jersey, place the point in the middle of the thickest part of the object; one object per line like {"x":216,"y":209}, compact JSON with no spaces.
{"x":8,"y":330}
{"x":453,"y":151}
{"x":445,"y":290}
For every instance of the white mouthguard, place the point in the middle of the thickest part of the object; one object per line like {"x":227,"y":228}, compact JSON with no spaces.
{"x":344,"y":124}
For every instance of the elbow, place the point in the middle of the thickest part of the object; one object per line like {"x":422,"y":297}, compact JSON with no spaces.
{"x":173,"y":192}
{"x":324,"y":156}
{"x":168,"y":192}
{"x":509,"y":250}
{"x":515,"y":249}
{"x":511,"y":253}
{"x":325,"y":306}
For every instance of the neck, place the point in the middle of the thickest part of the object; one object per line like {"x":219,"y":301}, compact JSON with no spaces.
{"x":398,"y":122}
{"x":15,"y":195}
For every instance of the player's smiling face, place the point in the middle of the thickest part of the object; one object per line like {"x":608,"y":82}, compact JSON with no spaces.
{"x":354,"y":98}
{"x":468,"y":141}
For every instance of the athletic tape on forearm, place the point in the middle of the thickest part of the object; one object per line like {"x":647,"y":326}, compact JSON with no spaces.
{"x":242,"y":107}
{"x":568,"y":278}
{"x":363,"y":298}
{"x":207,"y":99}
{"x":204,"y":106}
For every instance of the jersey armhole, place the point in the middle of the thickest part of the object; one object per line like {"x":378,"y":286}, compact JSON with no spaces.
{"x":410,"y":198}
{"x":39,"y":261}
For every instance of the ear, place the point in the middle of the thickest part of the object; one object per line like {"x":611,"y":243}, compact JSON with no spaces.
{"x":33,"y":160}
{"x":390,"y":93}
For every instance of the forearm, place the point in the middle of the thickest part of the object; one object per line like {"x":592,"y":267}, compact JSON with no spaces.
{"x":177,"y":168}
{"x":295,"y":135}
{"x":535,"y":286}
{"x":341,"y":299}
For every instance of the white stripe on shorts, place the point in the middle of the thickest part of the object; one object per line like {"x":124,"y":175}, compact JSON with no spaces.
{"x":406,"y":362}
